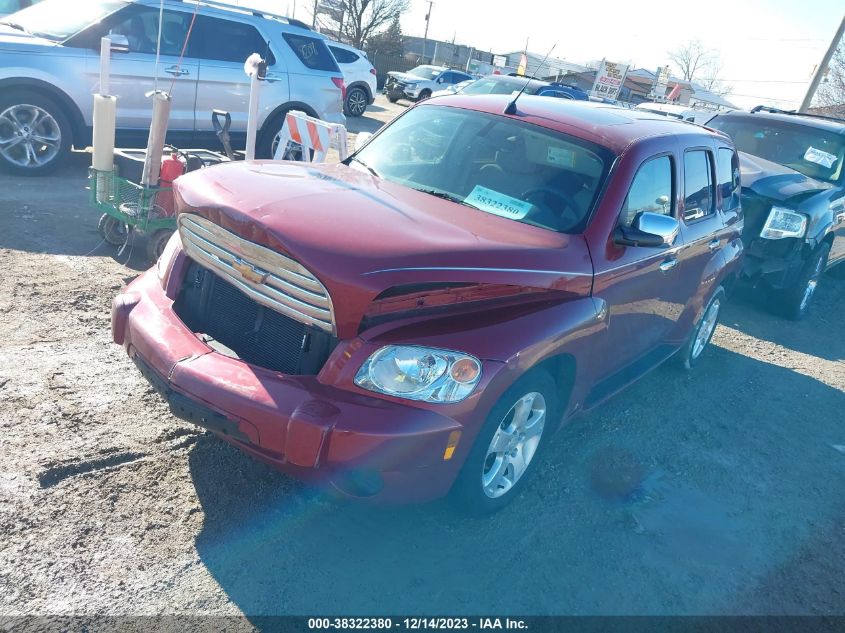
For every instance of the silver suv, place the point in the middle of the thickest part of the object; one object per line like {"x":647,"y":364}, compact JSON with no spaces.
{"x":49,"y":68}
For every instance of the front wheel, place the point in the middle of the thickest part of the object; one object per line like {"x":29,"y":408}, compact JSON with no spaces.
{"x":156,"y":243}
{"x":35,"y":135}
{"x":796,"y":300}
{"x":691,"y":353}
{"x":112,"y":231}
{"x":425,"y":94}
{"x":508,"y":444}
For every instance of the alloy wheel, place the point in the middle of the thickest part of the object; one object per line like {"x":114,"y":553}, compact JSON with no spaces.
{"x":812,"y":282}
{"x":514,"y":445}
{"x":29,"y":136}
{"x":705,"y":330}
{"x":356,"y":102}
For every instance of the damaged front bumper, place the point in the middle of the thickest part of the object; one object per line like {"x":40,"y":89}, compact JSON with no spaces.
{"x":362,"y":445}
{"x":776,"y":264}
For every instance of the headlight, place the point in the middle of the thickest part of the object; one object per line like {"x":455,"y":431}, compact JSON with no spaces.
{"x":165,"y":262}
{"x":784,"y":223}
{"x":420,"y":373}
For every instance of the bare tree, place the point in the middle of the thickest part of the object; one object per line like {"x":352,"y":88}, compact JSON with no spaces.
{"x":356,"y":21}
{"x":831,"y":92}
{"x":697,"y":63}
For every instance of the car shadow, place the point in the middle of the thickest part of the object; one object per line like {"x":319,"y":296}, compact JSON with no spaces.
{"x":669,"y":499}
{"x":756,"y":315}
{"x":53,"y":215}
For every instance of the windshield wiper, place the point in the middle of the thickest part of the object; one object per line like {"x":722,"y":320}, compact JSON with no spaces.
{"x":365,"y":166}
{"x":445,"y":195}
{"x":14,"y":26}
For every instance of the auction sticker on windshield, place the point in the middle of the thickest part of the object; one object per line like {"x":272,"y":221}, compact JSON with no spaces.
{"x":819,"y":157}
{"x":498,"y":203}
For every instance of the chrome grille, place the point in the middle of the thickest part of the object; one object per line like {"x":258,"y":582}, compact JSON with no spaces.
{"x":268,"y":277}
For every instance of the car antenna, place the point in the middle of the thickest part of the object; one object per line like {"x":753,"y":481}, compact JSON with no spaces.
{"x":511,"y":107}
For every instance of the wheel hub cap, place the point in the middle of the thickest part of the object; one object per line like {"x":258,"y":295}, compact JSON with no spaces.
{"x":705,"y":331}
{"x":29,"y":136}
{"x":514,"y":445}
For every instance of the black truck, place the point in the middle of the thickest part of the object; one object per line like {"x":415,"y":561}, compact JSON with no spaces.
{"x":793,"y":197}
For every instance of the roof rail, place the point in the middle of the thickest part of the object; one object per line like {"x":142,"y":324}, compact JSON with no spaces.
{"x":245,"y":9}
{"x":760,"y":108}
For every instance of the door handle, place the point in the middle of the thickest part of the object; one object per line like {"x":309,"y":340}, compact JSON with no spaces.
{"x":714,"y":244}
{"x":176,"y":71}
{"x":668,"y":264}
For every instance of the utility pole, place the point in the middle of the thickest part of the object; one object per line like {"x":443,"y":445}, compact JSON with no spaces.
{"x":822,"y":68}
{"x":314,"y":14}
{"x":427,"y":20}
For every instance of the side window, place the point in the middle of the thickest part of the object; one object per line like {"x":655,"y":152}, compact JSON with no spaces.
{"x":312,"y":52}
{"x":727,"y":178}
{"x":651,"y":190}
{"x":228,"y":41}
{"x":698,"y":185}
{"x":140,"y":26}
{"x":342,"y":55}
{"x":446,"y":78}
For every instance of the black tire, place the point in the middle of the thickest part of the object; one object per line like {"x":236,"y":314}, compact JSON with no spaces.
{"x":795,"y":302}
{"x":425,"y":94}
{"x":392,"y":99}
{"x":50,"y":122}
{"x":690,"y":353}
{"x":356,"y":102}
{"x":264,"y":145}
{"x":468,"y":493}
{"x":156,"y":243}
{"x":113,"y":231}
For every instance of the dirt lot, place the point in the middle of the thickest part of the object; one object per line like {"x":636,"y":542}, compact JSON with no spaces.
{"x":109,"y":505}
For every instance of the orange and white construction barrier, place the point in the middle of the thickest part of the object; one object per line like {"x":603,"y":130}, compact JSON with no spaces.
{"x":311,"y":134}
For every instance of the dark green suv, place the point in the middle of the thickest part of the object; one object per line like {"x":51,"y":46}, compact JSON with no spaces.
{"x":793,"y":196}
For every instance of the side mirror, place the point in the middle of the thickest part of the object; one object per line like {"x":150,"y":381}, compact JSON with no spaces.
{"x":119,"y":43}
{"x":651,"y":230}
{"x":440,"y":80}
{"x":361,"y":140}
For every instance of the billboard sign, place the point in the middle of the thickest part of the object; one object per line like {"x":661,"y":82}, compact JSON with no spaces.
{"x":609,"y":80}
{"x":500,"y":61}
{"x":661,"y":81}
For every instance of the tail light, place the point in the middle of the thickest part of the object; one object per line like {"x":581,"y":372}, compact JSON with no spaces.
{"x":338,"y":81}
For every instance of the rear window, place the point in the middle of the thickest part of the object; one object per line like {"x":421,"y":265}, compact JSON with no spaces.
{"x":344,"y":56}
{"x":312,"y":52}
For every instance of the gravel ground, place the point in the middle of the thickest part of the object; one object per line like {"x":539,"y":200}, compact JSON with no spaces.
{"x":714,"y":492}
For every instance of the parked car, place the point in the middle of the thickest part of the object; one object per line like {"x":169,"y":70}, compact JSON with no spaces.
{"x":49,"y":68}
{"x":421,"y":317}
{"x":359,"y":75}
{"x":793,"y":193}
{"x":11,"y":6}
{"x":507,"y":84}
{"x":676,"y":111}
{"x":420,"y":82}
{"x":453,"y":89}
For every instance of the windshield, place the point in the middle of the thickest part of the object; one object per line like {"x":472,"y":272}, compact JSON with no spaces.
{"x":808,"y":150}
{"x":492,"y":163}
{"x":425,"y":72}
{"x":59,"y":19}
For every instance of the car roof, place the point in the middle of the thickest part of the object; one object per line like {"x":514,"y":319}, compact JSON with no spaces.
{"x":518,"y":81}
{"x":214,"y":7}
{"x":613,"y":127}
{"x":808,"y":120}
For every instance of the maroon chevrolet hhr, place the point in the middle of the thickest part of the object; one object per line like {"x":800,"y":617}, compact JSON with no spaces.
{"x":420,"y":318}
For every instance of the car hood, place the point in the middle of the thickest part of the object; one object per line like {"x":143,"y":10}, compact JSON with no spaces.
{"x":774,"y":181}
{"x":362,"y":235}
{"x":406,"y":77}
{"x":18,"y":40}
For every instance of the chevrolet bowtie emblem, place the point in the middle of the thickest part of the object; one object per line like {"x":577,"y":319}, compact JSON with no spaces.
{"x":249,"y":272}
